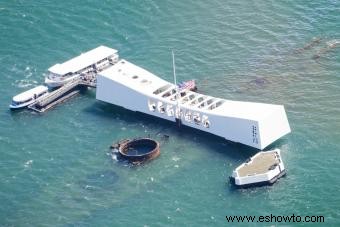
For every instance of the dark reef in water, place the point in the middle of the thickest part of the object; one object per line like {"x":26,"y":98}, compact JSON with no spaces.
{"x":314,"y":42}
{"x":259,"y":82}
{"x":330,"y":46}
{"x":254,"y":84}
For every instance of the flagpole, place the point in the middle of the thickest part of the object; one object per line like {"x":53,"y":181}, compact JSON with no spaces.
{"x":174,"y":68}
{"x":177,"y":114}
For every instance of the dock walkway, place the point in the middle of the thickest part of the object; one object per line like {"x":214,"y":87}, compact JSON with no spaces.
{"x":63,"y":93}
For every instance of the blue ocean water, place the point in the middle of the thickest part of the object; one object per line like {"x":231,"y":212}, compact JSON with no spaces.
{"x":55,"y":167}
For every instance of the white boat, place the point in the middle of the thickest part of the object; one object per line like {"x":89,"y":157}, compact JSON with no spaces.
{"x":264,"y":168}
{"x":254,"y":124}
{"x":87,"y":63}
{"x":28,"y":97}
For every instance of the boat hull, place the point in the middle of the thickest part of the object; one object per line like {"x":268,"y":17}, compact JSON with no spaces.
{"x":18,"y":107}
{"x":57,"y":82}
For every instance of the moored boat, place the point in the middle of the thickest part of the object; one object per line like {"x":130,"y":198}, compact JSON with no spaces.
{"x":264,"y":168}
{"x":28,"y":97}
{"x":90,"y":62}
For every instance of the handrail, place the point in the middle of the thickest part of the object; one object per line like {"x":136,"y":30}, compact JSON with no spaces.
{"x":44,"y":100}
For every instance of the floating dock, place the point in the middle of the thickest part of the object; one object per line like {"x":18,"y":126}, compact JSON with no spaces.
{"x":69,"y":78}
{"x":265,"y":168}
{"x":61,"y":94}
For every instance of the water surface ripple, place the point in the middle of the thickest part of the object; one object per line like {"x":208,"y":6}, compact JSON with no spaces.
{"x":54,"y":167}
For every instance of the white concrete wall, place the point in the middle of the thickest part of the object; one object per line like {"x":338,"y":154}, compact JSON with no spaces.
{"x":274,"y":126}
{"x":258,"y":178}
{"x":118,"y":94}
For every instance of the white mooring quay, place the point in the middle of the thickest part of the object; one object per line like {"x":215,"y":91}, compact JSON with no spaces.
{"x":254,"y":124}
{"x":264,"y":168}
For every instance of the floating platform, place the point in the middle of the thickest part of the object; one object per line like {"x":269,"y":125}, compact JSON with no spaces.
{"x":265,"y":168}
{"x":138,"y":150}
{"x":60,"y":95}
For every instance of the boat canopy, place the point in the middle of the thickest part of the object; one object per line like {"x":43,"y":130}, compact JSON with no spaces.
{"x":82,"y":61}
{"x":30,"y":93}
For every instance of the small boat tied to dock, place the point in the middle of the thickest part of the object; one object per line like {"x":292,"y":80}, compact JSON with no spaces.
{"x":85,"y":65}
{"x":28,"y":97}
{"x":66,"y":80}
{"x":264,"y":168}
{"x":61,"y":94}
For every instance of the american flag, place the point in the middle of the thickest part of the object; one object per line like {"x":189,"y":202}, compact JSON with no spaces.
{"x":187,"y":85}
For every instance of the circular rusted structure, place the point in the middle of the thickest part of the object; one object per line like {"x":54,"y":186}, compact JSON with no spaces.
{"x":139,"y":150}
